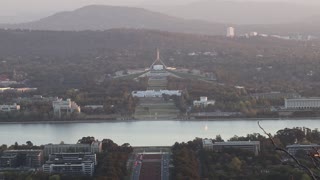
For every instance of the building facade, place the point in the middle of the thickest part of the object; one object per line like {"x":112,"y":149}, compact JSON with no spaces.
{"x":203,"y":102}
{"x":71,"y":164}
{"x":21,"y":158}
{"x":231,"y":32}
{"x":253,"y":146}
{"x":95,"y":147}
{"x":153,"y":93}
{"x":207,"y":144}
{"x":293,"y":149}
{"x":9,"y":108}
{"x":67,"y":107}
{"x":302,"y":103}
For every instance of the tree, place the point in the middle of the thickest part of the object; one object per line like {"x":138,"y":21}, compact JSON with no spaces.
{"x":86,"y":140}
{"x":29,"y":143}
{"x":235,"y":164}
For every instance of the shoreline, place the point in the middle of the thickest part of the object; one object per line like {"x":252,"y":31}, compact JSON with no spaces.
{"x":143,"y":120}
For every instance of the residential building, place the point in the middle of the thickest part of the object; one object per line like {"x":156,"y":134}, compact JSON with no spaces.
{"x":21,"y":158}
{"x":9,"y":108}
{"x":95,"y":147}
{"x":253,"y":146}
{"x":302,"y":103}
{"x":231,"y":32}
{"x":293,"y":149}
{"x":71,"y":164}
{"x":67,"y":107}
{"x":203,"y":102}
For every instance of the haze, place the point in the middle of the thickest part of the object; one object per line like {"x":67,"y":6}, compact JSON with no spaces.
{"x":15,"y":11}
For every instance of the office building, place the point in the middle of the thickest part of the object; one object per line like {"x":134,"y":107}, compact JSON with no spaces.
{"x":207,"y":144}
{"x":21,"y":158}
{"x":302,"y":103}
{"x":253,"y":146}
{"x":231,"y":32}
{"x":71,"y":164}
{"x":95,"y":147}
{"x":293,"y":149}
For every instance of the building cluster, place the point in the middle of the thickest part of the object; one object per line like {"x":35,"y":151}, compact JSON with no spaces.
{"x":203,"y":102}
{"x":69,"y":159}
{"x":9,"y":108}
{"x":153,"y":93}
{"x":253,"y":146}
{"x":60,"y":106}
{"x":11,"y":159}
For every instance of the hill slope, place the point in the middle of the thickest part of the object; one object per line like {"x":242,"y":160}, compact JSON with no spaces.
{"x":99,"y":17}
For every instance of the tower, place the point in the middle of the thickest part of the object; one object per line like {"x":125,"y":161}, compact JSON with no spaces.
{"x":158,"y":63}
{"x":230,"y":32}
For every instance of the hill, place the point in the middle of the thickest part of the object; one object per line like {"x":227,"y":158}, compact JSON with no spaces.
{"x":100,"y":17}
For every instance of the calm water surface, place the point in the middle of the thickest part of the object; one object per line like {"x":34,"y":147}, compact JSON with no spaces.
{"x":141,"y":133}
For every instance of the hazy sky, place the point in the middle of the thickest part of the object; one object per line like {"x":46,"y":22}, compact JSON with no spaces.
{"x":22,"y":10}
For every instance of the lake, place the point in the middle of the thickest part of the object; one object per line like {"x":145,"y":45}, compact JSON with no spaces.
{"x":142,"y":133}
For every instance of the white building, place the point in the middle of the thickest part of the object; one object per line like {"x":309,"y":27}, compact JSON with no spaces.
{"x":231,"y":32}
{"x":253,"y":34}
{"x":60,"y":106}
{"x":9,"y":108}
{"x":302,"y":103}
{"x":153,"y":93}
{"x":203,"y":102}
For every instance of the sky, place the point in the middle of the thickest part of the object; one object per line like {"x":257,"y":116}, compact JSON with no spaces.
{"x":27,"y":10}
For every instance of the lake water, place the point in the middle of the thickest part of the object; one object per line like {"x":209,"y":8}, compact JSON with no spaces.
{"x":142,"y":133}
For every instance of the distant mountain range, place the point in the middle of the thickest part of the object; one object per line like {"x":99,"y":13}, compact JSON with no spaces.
{"x":229,"y":11}
{"x":101,"y":17}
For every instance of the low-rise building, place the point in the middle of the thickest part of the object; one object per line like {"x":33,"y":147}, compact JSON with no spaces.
{"x":71,"y":164}
{"x":68,"y":107}
{"x":302,"y":103}
{"x":274,"y":95}
{"x":21,"y":158}
{"x":153,"y":93}
{"x":207,"y":144}
{"x":293,"y":149}
{"x":9,"y":108}
{"x":253,"y":146}
{"x":95,"y":147}
{"x":203,"y":102}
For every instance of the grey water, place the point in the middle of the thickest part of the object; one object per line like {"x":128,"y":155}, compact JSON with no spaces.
{"x":142,"y":133}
